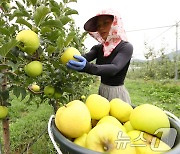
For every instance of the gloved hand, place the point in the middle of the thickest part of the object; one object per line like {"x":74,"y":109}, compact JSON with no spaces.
{"x":77,"y":65}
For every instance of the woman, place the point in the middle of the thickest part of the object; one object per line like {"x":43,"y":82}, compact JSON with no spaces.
{"x":112,"y":55}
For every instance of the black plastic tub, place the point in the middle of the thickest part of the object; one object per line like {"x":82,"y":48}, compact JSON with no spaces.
{"x":68,"y":147}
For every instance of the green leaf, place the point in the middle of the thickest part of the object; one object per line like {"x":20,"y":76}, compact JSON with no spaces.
{"x":68,"y":1}
{"x":76,"y":40}
{"x":18,"y":13}
{"x":7,"y":47}
{"x":20,"y":6}
{"x":60,"y":42}
{"x":30,"y":99}
{"x":45,"y":30}
{"x":40,"y":14}
{"x":3,"y":66}
{"x":53,"y":35}
{"x":23,"y":22}
{"x":2,"y":22}
{"x":53,"y":23}
{"x":33,"y":2}
{"x":69,"y":38}
{"x":70,"y":12}
{"x":5,"y":95}
{"x":12,"y":29}
{"x":23,"y":92}
{"x":55,"y":8}
{"x":14,"y":66}
{"x":65,"y":20}
{"x":72,"y":0}
{"x":4,"y":31}
{"x":54,"y":3}
{"x":16,"y":91}
{"x":50,"y":49}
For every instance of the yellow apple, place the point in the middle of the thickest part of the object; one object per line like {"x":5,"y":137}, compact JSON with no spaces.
{"x":83,"y":97}
{"x":30,"y":41}
{"x":81,"y":141}
{"x":104,"y":138}
{"x":35,"y":87}
{"x":98,"y":106}
{"x":120,"y":109}
{"x":68,"y":54}
{"x":146,"y":143}
{"x":34,"y":69}
{"x":112,"y":120}
{"x":149,"y":118}
{"x":73,"y":119}
{"x":128,"y":126}
{"x":3,"y":112}
{"x":49,"y":91}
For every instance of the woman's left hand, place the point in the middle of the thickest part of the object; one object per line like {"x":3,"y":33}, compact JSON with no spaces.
{"x":77,"y":65}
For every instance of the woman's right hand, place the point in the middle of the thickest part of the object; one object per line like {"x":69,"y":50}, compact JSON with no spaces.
{"x":77,"y":65}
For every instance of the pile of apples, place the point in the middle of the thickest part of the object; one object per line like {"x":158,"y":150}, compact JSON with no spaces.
{"x":114,"y":126}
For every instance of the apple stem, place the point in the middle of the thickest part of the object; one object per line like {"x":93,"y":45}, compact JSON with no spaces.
{"x":107,"y":146}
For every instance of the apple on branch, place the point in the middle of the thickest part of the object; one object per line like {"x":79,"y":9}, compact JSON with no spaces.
{"x":33,"y":69}
{"x":3,"y":112}
{"x":68,"y":55}
{"x":49,"y":91}
{"x":29,"y":41}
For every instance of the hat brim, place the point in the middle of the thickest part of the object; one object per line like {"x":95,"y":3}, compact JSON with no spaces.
{"x":91,"y":24}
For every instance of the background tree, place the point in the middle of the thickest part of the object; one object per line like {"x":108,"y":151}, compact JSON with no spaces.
{"x":53,"y":23}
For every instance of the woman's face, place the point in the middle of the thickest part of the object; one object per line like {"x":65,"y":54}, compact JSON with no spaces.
{"x":104,"y":25}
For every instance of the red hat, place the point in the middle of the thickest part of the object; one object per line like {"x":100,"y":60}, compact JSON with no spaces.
{"x":116,"y":33}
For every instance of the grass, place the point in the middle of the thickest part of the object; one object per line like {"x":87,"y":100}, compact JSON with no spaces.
{"x":29,"y":124}
{"x":28,"y":127}
{"x":164,"y":94}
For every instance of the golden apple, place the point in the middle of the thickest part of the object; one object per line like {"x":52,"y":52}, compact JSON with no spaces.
{"x":30,"y":41}
{"x":120,"y":109}
{"x":35,"y":87}
{"x":3,"y":112}
{"x":83,"y":97}
{"x":104,"y":138}
{"x":128,"y":126}
{"x":81,"y":141}
{"x":68,"y":54}
{"x":146,"y":143}
{"x":149,"y":118}
{"x":73,"y":119}
{"x":98,"y":106}
{"x":112,"y":120}
{"x":34,"y":68}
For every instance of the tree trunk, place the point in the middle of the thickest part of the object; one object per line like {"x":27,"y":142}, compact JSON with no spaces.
{"x":6,"y":135}
{"x":5,"y":122}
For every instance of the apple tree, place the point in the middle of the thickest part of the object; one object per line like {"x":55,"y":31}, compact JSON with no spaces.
{"x":53,"y":22}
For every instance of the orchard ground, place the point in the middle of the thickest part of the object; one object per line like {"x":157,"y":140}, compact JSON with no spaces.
{"x":28,"y":126}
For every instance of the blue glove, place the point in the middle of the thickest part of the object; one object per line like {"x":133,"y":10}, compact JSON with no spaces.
{"x":77,"y":65}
